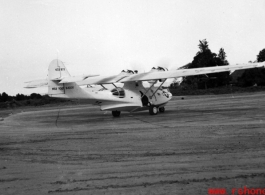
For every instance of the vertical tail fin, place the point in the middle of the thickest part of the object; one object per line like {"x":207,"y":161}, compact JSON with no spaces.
{"x":57,"y":71}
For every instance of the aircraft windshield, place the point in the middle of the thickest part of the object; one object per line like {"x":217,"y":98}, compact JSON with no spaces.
{"x":119,"y":92}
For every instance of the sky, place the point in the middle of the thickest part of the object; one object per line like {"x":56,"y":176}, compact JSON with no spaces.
{"x":106,"y":36}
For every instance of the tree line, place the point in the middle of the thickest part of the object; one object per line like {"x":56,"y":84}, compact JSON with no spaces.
{"x":206,"y":58}
{"x":4,"y":97}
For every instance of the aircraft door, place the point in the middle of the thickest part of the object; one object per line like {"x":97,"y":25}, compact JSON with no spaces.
{"x":145,"y":100}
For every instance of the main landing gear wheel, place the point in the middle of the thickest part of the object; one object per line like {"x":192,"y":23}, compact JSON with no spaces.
{"x":116,"y":113}
{"x":162,"y":109}
{"x":153,"y":110}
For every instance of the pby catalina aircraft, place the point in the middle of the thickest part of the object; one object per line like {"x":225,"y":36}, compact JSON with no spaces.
{"x":133,"y":96}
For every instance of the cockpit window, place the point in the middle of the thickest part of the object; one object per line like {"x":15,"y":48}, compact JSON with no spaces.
{"x":130,"y":71}
{"x":119,"y":92}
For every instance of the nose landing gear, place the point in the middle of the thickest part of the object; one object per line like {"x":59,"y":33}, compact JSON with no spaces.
{"x":153,"y":110}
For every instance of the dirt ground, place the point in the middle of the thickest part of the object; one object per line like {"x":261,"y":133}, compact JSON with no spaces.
{"x":199,"y":143}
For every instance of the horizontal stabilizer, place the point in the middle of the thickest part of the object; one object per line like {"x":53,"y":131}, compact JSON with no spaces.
{"x":44,"y":82}
{"x":37,"y":83}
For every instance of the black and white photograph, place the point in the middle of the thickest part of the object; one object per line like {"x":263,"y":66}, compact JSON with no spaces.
{"x":132,"y":97}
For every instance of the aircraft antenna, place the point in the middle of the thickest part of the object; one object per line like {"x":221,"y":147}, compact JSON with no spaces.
{"x":57,"y":55}
{"x":57,"y":62}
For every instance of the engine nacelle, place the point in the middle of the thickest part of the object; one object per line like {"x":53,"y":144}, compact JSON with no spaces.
{"x":159,"y":68}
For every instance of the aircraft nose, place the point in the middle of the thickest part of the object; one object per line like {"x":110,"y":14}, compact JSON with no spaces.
{"x":170,"y":95}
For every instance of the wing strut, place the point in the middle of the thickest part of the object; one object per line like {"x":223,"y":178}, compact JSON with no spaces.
{"x":103,"y":86}
{"x":149,"y":88}
{"x":158,"y":88}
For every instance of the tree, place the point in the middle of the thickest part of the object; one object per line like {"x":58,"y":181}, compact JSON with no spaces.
{"x":5,"y":97}
{"x":203,"y":46}
{"x":222,"y":57}
{"x":206,"y":58}
{"x":20,"y":97}
{"x":35,"y":96}
{"x":261,"y":56}
{"x":253,"y":76}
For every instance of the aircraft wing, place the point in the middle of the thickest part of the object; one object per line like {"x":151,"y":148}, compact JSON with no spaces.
{"x":189,"y":72}
{"x":154,"y":75}
{"x":37,"y":83}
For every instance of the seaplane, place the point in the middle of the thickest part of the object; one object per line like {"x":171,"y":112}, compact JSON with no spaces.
{"x":128,"y":92}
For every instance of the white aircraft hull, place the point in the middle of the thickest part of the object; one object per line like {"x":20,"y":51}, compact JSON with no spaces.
{"x":131,"y":102}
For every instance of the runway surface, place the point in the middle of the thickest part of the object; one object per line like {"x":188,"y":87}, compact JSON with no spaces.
{"x":199,"y":143}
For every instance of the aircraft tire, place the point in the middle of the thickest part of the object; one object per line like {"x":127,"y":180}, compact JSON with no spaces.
{"x":153,"y":110}
{"x":162,"y":109}
{"x":116,"y":113}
